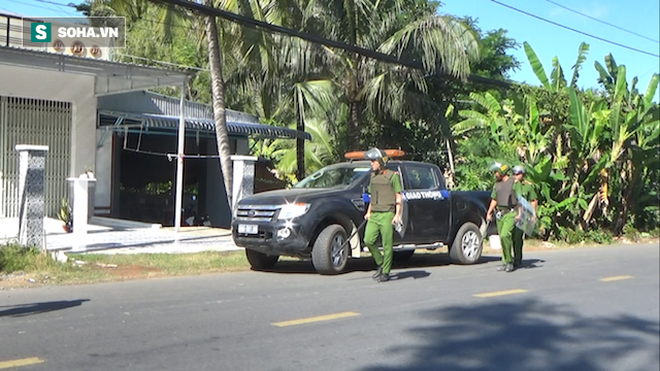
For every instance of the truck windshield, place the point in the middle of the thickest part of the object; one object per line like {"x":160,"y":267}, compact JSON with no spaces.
{"x":333,"y":176}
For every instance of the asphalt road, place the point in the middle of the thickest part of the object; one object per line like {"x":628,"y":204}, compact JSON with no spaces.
{"x":582,"y":309}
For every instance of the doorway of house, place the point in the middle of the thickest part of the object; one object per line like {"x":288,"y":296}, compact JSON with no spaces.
{"x":146,"y":173}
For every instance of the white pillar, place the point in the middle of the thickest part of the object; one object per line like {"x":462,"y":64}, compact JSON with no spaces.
{"x":243,"y":182}
{"x":31,"y":165}
{"x":80,"y":210}
{"x":179,"y":165}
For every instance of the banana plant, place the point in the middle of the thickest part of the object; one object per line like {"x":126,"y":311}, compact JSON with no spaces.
{"x":475,"y":121}
{"x":530,"y":137}
{"x":583,"y":50}
{"x":557,"y":81}
{"x":631,"y":117}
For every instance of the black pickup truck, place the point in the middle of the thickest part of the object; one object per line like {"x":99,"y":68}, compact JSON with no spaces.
{"x":314,"y":218}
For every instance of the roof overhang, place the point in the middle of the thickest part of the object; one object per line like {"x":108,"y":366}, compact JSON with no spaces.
{"x":148,"y":122}
{"x":110,"y":77}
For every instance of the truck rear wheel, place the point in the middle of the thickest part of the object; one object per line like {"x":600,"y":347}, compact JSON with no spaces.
{"x":468,"y":245}
{"x":328,"y":257}
{"x":260,"y":261}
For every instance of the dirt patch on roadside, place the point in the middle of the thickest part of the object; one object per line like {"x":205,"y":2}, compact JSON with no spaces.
{"x":117,"y":272}
{"x":132,"y":271}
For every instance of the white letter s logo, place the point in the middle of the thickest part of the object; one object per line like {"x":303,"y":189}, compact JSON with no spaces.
{"x":41,"y":32}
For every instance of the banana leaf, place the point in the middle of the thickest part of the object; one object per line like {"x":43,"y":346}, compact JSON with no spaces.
{"x":582,"y":56}
{"x":537,"y":67}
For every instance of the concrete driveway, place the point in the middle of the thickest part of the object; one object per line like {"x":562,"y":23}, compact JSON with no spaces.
{"x":110,"y":237}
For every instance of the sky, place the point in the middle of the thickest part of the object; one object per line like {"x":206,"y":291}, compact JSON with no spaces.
{"x":547,"y":40}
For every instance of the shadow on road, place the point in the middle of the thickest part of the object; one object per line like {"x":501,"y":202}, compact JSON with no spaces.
{"x":366,"y":264}
{"x":410,"y":274}
{"x":524,"y":335}
{"x":37,"y":308}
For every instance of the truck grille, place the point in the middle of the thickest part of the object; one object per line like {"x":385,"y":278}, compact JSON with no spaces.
{"x":257,"y":213}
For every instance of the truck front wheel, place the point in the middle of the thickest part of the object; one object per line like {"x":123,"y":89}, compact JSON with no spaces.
{"x":468,"y":245}
{"x":328,"y":256}
{"x":260,"y":261}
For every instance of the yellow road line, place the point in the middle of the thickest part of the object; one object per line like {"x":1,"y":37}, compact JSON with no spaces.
{"x":315,"y":319}
{"x":615,"y":278}
{"x":21,"y":362}
{"x":500,"y":293}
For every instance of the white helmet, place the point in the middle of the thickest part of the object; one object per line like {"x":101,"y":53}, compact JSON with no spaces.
{"x":518,"y":169}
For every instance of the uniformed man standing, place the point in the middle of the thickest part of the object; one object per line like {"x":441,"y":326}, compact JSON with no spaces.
{"x":526,"y":190}
{"x":384,"y":211}
{"x":505,"y":201}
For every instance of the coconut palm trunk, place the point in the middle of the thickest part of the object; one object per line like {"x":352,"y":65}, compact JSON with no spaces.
{"x":219,"y":113}
{"x":353,"y":131}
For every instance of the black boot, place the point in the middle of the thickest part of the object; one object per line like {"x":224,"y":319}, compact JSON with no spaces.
{"x":384,"y":277}
{"x":379,"y":271}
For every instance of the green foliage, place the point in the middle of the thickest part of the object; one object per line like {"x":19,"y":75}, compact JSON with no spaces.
{"x":575,"y":236}
{"x":591,"y":154}
{"x":600,"y":236}
{"x":65,"y":214}
{"x":14,"y":258}
{"x":630,"y":232}
{"x":655,"y":232}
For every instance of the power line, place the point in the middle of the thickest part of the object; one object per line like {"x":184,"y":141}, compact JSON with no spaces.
{"x":574,"y":30}
{"x":250,"y":22}
{"x":164,"y":63}
{"x":603,"y":22}
{"x":40,"y":7}
{"x":59,"y":5}
{"x":253,"y":23}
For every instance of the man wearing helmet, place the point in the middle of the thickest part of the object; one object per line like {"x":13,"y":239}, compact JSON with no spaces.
{"x":504,"y":199}
{"x":526,"y":190}
{"x":384,"y":211}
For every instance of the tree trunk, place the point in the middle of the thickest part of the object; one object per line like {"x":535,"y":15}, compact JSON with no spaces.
{"x":218,"y":89}
{"x":451,"y":178}
{"x":300,"y":145}
{"x":353,"y":131}
{"x":623,"y":214}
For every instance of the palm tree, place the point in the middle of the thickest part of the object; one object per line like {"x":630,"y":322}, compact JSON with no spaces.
{"x":219,"y":113}
{"x":169,"y":17}
{"x":408,"y":29}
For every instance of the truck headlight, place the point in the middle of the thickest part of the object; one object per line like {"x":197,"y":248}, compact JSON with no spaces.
{"x":290,"y":211}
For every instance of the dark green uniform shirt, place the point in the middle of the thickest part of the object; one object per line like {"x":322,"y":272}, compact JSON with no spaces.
{"x":526,"y":190}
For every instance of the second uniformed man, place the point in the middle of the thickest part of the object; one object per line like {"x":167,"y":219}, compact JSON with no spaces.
{"x":526,"y":190}
{"x":384,"y":211}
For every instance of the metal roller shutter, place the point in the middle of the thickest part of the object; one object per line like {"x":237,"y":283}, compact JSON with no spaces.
{"x":38,"y":122}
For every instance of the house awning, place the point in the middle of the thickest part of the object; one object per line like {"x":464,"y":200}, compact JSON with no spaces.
{"x":110,"y":77}
{"x":121,"y":121}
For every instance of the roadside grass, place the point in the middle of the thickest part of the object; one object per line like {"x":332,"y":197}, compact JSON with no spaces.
{"x":29,"y":267}
{"x":170,"y":264}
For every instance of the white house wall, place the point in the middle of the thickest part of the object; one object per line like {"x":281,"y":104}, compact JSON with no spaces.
{"x":76,"y":89}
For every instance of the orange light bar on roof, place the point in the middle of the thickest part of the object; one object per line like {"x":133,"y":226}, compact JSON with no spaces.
{"x":359,"y":155}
